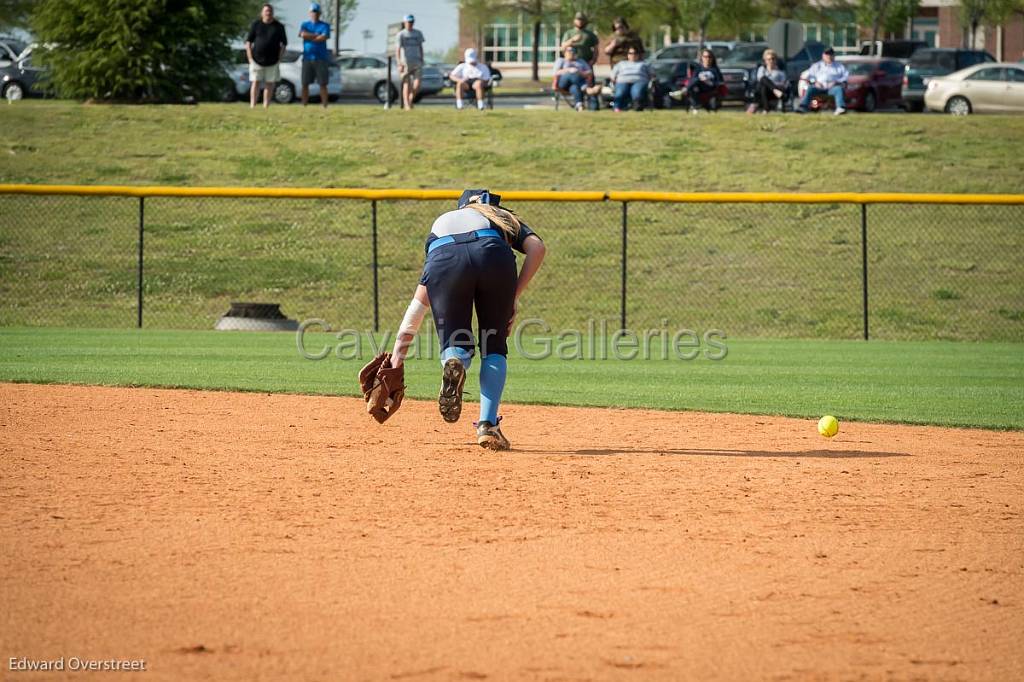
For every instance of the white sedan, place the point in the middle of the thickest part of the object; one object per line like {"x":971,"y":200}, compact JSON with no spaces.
{"x":982,"y":88}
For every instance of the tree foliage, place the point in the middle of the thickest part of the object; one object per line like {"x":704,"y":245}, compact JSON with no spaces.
{"x":885,"y":16}
{"x":338,"y":13}
{"x":139,"y":50}
{"x":14,"y":13}
{"x":975,"y":13}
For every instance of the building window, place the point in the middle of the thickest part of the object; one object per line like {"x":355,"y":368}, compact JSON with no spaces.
{"x":926,"y":30}
{"x":843,"y":37}
{"x":510,"y":41}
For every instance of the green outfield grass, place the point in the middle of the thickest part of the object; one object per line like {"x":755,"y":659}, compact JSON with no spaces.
{"x":363,"y":146}
{"x":956,"y":384}
{"x":936,"y":272}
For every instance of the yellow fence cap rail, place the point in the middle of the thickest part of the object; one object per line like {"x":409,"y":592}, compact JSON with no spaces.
{"x":815,"y":198}
{"x":518,"y":195}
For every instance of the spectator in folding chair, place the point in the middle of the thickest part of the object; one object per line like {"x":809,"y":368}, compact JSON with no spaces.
{"x":471,"y":76}
{"x":826,"y":78}
{"x":631,"y":80}
{"x":571,"y":76}
{"x":706,"y":85}
{"x":770,"y":84}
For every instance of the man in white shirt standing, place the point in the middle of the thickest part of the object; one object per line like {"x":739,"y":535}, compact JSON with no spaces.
{"x":827,"y":77}
{"x":409,"y":52}
{"x":470,"y":75}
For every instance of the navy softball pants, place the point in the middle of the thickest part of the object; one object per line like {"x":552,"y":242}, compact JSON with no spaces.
{"x":472,"y":272}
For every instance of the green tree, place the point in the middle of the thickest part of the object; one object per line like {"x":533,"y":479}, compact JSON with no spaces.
{"x":600,"y":13}
{"x":476,"y":14}
{"x":14,"y":13}
{"x":783,"y":9}
{"x":536,"y":11}
{"x":139,"y":50}
{"x":884,"y":16}
{"x":339,"y":13}
{"x":975,"y":13}
{"x":733,"y":18}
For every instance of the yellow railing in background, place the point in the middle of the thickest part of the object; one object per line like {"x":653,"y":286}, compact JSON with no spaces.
{"x":518,"y":195}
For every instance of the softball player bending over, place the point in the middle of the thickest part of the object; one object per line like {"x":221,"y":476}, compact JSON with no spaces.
{"x":469,"y":262}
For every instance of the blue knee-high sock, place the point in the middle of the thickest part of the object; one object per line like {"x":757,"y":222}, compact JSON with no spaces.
{"x":463,"y":355}
{"x":492,"y":382}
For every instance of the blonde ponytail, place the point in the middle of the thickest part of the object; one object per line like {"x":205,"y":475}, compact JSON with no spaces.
{"x":503,"y":218}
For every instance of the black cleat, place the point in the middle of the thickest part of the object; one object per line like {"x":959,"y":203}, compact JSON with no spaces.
{"x":489,"y":436}
{"x":449,"y":400}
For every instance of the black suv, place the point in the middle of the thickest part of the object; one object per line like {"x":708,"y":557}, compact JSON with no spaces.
{"x":935,"y":61}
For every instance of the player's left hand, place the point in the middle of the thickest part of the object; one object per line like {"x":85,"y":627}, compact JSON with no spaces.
{"x":383,"y":387}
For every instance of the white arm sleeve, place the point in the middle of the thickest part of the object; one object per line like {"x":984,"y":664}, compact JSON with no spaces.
{"x":413,"y":318}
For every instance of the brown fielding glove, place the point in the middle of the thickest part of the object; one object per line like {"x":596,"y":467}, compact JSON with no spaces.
{"x":383,"y":387}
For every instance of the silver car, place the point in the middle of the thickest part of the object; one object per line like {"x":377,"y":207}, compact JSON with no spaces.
{"x":983,"y":88}
{"x":290,"y":83}
{"x":365,"y":75}
{"x":291,"y":79}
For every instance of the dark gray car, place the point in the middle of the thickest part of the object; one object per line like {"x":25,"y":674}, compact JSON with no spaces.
{"x":809,"y":54}
{"x":736,"y":68}
{"x":19,"y":78}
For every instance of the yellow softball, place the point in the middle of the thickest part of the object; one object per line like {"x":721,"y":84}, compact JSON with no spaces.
{"x":828,"y":426}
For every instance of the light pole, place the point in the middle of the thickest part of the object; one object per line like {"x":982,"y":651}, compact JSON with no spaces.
{"x":367,"y":35}
{"x":337,"y":25}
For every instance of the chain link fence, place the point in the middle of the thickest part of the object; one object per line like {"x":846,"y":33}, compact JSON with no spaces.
{"x":925,"y":271}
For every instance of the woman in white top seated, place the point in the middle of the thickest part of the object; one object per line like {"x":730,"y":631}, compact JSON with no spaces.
{"x":770,"y":82}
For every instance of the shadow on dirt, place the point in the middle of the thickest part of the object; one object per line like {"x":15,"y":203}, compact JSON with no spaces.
{"x":709,"y":452}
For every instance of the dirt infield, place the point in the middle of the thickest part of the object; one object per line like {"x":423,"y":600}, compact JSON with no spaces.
{"x":225,"y":536}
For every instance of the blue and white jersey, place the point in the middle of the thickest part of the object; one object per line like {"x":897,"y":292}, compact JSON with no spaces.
{"x":465,"y":220}
{"x":831,"y":74}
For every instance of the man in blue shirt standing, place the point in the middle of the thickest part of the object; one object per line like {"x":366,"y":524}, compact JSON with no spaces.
{"x":315,"y":58}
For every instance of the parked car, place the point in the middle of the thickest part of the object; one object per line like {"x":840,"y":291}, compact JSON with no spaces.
{"x":690,"y":51}
{"x":365,"y":75}
{"x":11,"y":49}
{"x":874,"y":83}
{"x":444,"y":68}
{"x":669,"y":75}
{"x":672,"y":64}
{"x":801,"y":61}
{"x":238,"y":74}
{"x":737,"y":69}
{"x":927,"y":64}
{"x":895,"y":49}
{"x":290,"y":84}
{"x":982,"y":88}
{"x":19,"y":78}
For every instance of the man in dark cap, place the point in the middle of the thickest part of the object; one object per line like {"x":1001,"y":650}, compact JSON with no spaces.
{"x":827,"y":77}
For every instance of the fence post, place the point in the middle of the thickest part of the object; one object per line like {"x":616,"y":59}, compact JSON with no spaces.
{"x":864,"y":261}
{"x":625,"y":234}
{"x":376,"y":291}
{"x":142,"y":230}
